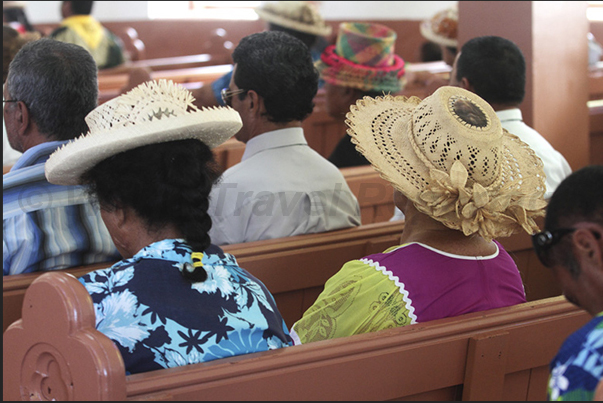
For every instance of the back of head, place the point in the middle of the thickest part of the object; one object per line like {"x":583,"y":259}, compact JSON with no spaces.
{"x":496,"y":69}
{"x":308,"y":39}
{"x":578,"y":198}
{"x":166,"y":184}
{"x":81,"y":7}
{"x":279,"y":68}
{"x":58,"y":83}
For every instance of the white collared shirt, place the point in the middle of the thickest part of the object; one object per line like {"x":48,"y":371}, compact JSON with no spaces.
{"x":556,"y":167}
{"x":281,"y":187}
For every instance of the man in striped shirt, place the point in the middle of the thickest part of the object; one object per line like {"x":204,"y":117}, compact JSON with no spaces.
{"x":51,"y":87}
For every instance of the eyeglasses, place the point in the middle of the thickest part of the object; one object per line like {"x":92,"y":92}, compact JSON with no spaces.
{"x":9,"y":100}
{"x":544,"y":241}
{"x":227,"y":94}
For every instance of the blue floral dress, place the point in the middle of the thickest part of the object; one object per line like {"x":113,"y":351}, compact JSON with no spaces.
{"x":158,"y":319}
{"x":577,"y":368}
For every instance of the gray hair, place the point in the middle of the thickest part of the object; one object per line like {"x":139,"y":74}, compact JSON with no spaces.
{"x":58,"y":83}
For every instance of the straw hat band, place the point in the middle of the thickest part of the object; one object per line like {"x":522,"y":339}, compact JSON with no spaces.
{"x":332,"y":59}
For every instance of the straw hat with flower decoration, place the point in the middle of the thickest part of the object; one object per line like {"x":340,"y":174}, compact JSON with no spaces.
{"x":449,"y":154}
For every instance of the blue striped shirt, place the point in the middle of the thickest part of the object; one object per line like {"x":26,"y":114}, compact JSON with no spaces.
{"x":46,"y":226}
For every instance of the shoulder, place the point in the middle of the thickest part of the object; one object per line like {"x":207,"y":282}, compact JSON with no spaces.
{"x":57,"y":32}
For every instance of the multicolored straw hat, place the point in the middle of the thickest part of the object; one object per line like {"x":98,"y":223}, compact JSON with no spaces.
{"x":451,"y":157}
{"x":363,"y":57}
{"x":297,"y":15}
{"x":153,"y":112}
{"x":442,"y":28}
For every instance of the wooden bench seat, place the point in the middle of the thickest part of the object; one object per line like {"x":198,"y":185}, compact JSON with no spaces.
{"x":55,"y":352}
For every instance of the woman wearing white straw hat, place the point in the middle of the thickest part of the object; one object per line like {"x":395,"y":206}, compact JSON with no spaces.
{"x":462,"y":181}
{"x":175,"y":298}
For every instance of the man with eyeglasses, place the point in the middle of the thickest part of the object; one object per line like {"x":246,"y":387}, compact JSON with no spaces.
{"x":281,"y":187}
{"x":51,"y":87}
{"x":572,"y":246}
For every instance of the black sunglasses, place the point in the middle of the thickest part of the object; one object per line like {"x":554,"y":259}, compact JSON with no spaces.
{"x":544,"y":241}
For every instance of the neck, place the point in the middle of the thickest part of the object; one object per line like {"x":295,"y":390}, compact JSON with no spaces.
{"x":420,"y":227}
{"x":33,"y":139}
{"x":503,"y":107}
{"x":267,"y":126}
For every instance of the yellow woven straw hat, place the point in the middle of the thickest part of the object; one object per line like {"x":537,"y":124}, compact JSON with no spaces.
{"x":451,"y":157}
{"x":153,"y":112}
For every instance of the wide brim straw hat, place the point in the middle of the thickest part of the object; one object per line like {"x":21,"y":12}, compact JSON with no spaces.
{"x":153,"y":112}
{"x":363,"y":57}
{"x":451,"y":157}
{"x":442,"y":28}
{"x":297,"y":15}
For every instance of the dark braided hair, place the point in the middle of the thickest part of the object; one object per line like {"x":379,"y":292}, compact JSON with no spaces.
{"x":165,"y":183}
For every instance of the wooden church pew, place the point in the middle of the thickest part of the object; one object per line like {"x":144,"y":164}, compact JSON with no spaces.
{"x":375,"y":195}
{"x":294,"y":268}
{"x":55,"y":353}
{"x":182,"y":76}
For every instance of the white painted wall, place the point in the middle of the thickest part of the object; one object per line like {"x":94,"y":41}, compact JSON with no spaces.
{"x":49,"y":11}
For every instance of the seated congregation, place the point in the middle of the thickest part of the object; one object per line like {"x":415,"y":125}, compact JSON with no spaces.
{"x":164,"y":207}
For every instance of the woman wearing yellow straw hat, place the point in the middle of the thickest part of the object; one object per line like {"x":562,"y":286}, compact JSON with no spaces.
{"x":462,"y":181}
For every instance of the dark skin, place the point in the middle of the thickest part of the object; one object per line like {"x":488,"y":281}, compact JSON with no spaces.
{"x":420,"y":227}
{"x":584,"y":289}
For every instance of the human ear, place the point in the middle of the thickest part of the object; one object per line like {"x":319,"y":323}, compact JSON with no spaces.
{"x":587,"y":247}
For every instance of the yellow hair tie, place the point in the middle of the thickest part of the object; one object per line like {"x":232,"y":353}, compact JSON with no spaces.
{"x":197,"y":259}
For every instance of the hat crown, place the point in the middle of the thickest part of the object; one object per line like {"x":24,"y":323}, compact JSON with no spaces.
{"x":367,"y":44}
{"x":454,"y":125}
{"x":150,"y":101}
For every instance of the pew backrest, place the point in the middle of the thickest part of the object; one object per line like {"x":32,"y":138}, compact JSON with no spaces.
{"x":294,"y":268}
{"x":55,"y":352}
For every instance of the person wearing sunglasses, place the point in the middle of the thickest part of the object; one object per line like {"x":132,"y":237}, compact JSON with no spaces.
{"x":571,"y":245}
{"x":281,"y":187}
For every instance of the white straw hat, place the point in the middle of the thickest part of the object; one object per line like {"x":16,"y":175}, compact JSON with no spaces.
{"x":297,"y":15}
{"x":442,"y":28}
{"x":153,"y":112}
{"x":451,"y":157}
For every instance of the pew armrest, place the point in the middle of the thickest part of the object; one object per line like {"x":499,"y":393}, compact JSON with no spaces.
{"x":54,"y":352}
